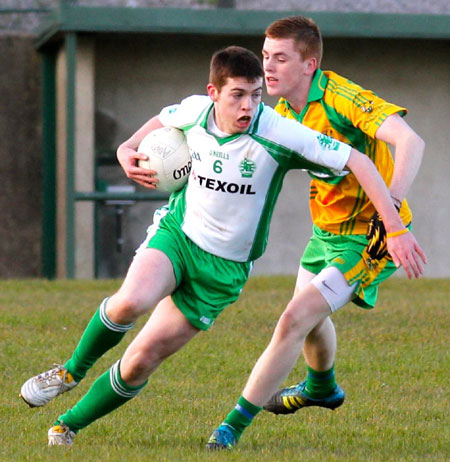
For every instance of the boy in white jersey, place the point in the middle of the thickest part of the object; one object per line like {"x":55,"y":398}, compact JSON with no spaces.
{"x":199,"y":251}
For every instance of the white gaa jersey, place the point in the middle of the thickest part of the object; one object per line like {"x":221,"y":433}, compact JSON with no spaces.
{"x":227,"y":204}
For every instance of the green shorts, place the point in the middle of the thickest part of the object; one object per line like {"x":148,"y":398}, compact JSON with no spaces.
{"x":206,"y":284}
{"x":348,"y":253}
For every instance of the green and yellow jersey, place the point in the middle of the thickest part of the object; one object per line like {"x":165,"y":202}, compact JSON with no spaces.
{"x":347,"y":112}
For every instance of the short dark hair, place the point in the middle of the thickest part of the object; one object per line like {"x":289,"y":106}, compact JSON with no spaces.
{"x":304,"y":31}
{"x":234,"y":61}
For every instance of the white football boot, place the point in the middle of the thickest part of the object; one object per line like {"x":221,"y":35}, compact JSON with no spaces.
{"x":60,"y":435}
{"x":42,"y":388}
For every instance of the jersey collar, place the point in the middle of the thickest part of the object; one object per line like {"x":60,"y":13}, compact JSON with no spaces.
{"x":203,"y":122}
{"x":318,"y":85}
{"x":316,"y":91}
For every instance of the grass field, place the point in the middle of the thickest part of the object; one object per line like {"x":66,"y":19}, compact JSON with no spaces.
{"x":393,"y":363}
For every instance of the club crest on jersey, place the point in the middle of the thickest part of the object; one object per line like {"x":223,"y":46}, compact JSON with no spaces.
{"x":247,"y":167}
{"x":328,"y":143}
{"x":367,"y":107}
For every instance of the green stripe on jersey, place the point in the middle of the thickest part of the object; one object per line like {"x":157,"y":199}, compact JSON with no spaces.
{"x":289,"y":159}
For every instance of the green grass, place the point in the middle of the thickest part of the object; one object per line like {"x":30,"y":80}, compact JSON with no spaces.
{"x":393,"y":362}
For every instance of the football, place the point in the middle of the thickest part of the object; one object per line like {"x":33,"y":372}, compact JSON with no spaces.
{"x":168,"y":155}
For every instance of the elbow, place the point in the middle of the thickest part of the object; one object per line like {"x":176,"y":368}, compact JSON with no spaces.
{"x":420,"y":143}
{"x":119,"y":150}
{"x":417,"y":143}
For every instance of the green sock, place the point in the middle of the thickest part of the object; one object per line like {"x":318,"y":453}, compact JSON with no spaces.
{"x":320,"y":383}
{"x":107,"y":393}
{"x":100,"y":335}
{"x":241,"y":416}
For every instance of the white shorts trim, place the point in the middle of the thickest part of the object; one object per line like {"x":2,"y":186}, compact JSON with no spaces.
{"x":151,"y":230}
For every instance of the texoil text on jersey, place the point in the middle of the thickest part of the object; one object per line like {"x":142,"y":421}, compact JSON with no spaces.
{"x":224,"y":186}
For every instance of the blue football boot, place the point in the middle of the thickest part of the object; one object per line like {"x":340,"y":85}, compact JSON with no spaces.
{"x":291,"y":399}
{"x":221,"y":438}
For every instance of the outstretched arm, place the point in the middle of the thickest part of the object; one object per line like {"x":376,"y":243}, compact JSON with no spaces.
{"x":128,"y":156}
{"x":403,"y":247}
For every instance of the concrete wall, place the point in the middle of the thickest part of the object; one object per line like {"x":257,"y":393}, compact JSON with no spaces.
{"x":136,"y":76}
{"x":20,"y":158}
{"x":361,"y":6}
{"x":378,"y":6}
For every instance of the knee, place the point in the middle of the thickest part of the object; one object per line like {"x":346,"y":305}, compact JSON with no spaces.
{"x":135,"y":369}
{"x":124,"y":308}
{"x":291,"y":321}
{"x":298,"y":319}
{"x":138,"y":364}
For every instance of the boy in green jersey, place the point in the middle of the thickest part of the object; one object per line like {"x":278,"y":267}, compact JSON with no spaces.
{"x":332,"y":104}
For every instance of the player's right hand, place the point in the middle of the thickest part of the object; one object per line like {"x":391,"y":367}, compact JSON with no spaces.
{"x":405,"y":251}
{"x":128,"y":159}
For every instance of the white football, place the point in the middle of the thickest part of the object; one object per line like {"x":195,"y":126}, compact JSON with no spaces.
{"x":168,"y":155}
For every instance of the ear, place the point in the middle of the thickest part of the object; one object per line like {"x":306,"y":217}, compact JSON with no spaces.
{"x":311,"y":66}
{"x":212,"y":91}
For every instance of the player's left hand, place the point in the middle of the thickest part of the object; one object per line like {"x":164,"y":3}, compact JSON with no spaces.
{"x":405,"y":251}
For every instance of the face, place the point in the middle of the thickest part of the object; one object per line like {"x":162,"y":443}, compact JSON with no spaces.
{"x":236,"y":103}
{"x":286,"y":73}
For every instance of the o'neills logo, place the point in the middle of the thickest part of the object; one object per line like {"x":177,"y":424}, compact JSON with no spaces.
{"x":224,"y":186}
{"x":183,"y":171}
